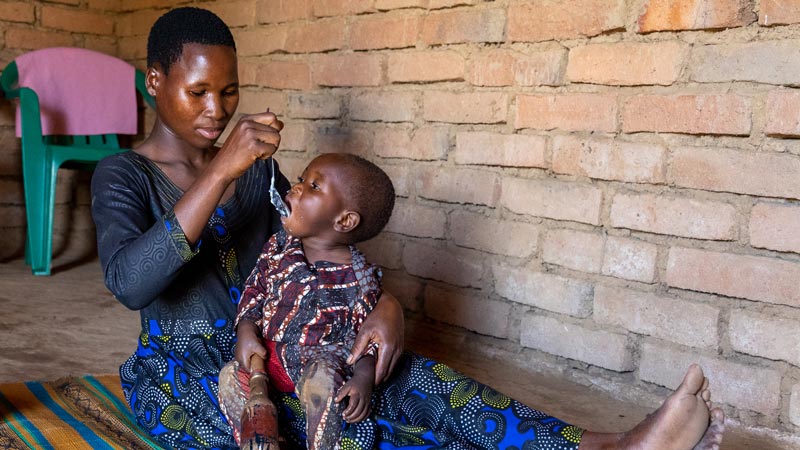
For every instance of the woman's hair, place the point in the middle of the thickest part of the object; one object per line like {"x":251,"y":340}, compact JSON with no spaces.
{"x":372,"y":195}
{"x":187,"y":25}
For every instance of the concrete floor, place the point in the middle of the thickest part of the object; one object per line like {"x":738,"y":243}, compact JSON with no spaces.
{"x":68,"y":324}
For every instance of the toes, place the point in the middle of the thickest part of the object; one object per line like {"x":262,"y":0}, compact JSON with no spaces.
{"x":693,"y":381}
{"x":705,"y":395}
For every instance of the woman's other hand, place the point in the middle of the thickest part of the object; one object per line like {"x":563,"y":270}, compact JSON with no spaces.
{"x":384,"y":326}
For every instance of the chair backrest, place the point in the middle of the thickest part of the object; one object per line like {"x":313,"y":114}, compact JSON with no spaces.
{"x":65,"y":91}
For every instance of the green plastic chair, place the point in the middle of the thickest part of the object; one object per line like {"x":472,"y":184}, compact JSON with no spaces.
{"x":42,"y":156}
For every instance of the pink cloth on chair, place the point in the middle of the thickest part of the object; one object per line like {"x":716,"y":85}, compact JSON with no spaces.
{"x":80,"y":91}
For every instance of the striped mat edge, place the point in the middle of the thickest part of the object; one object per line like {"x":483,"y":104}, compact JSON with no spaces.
{"x":78,"y":413}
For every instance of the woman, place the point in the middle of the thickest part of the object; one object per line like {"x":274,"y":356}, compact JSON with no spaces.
{"x":180,"y":223}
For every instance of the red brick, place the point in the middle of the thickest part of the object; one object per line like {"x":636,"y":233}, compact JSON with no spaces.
{"x":276,"y":11}
{"x":717,"y":169}
{"x":541,"y":68}
{"x":384,"y":106}
{"x":313,"y":37}
{"x":466,"y":107}
{"x":252,"y":101}
{"x":408,"y":290}
{"x":11,"y":156}
{"x":675,"y":216}
{"x":469,"y":310}
{"x":504,"y":237}
{"x":544,"y":20}
{"x":492,"y":68}
{"x":672,"y":319}
{"x":343,"y":140}
{"x":630,"y":259}
{"x":13,"y":216}
{"x":323,"y":8}
{"x":576,"y":250}
{"x":597,"y":347}
{"x":260,"y":41}
{"x":609,"y":159}
{"x":132,"y":48}
{"x":77,"y":21}
{"x":234,"y":13}
{"x":439,"y":4}
{"x":7,"y":116}
{"x":726,"y":114}
{"x":385,"y":252}
{"x":627,"y":63}
{"x":552,"y":199}
{"x":494,"y":149}
{"x":17,"y":12}
{"x":416,"y":220}
{"x":401,"y":177}
{"x":769,"y":62}
{"x":673,"y":15}
{"x":775,"y":226}
{"x":292,"y":164}
{"x":765,"y":336}
{"x":783,"y":115}
{"x":543,"y":290}
{"x":133,"y":5}
{"x":102,"y":44}
{"x":425,"y":144}
{"x":778,"y":12}
{"x":459,"y":267}
{"x":383,"y":5}
{"x":384,"y":31}
{"x":34,"y":39}
{"x":751,"y":277}
{"x":284,"y":75}
{"x":295,"y":136}
{"x":477,"y":187}
{"x":11,"y":192}
{"x":105,"y":5}
{"x":570,"y":112}
{"x":315,"y":106}
{"x":744,"y":386}
{"x":794,"y":405}
{"x":459,"y":26}
{"x":425,"y":66}
{"x":348,"y":70}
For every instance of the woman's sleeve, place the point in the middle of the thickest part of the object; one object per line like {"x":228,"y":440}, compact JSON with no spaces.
{"x":140,"y":259}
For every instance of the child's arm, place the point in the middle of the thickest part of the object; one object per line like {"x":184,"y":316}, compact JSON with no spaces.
{"x":359,"y":390}
{"x":248,"y":343}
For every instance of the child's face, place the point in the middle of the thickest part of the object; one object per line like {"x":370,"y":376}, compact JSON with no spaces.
{"x":316,"y":200}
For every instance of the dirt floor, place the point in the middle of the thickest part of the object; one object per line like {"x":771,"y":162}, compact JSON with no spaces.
{"x":68,"y":324}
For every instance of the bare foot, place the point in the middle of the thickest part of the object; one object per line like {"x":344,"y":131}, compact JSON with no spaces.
{"x":681,"y":423}
{"x":713,"y":436}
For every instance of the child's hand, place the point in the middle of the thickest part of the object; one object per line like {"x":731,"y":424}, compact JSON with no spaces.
{"x":248,"y":343}
{"x":358,"y":391}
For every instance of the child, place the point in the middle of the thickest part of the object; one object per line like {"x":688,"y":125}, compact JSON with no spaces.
{"x":312,"y":289}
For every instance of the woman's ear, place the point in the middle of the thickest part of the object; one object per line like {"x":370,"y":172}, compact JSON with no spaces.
{"x":347,"y":221}
{"x":151,"y":80}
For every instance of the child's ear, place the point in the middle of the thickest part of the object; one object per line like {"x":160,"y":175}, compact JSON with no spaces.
{"x":347,"y":221}
{"x":152,"y":78}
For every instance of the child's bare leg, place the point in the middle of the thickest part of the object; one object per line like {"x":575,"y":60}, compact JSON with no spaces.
{"x":681,"y":423}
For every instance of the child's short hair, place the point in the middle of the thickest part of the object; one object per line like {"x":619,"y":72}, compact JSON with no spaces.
{"x":186,"y":25}
{"x":372,"y":195}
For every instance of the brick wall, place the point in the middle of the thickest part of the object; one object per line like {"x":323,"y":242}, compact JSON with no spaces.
{"x":25,"y":26}
{"x":604,"y":188}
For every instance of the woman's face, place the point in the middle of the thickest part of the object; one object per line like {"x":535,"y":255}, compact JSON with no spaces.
{"x":198,"y":97}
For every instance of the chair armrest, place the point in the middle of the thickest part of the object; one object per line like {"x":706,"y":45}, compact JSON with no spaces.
{"x":8,"y":81}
